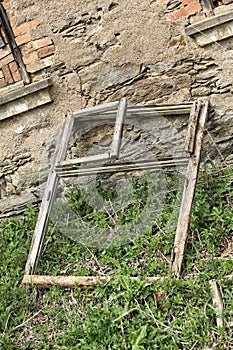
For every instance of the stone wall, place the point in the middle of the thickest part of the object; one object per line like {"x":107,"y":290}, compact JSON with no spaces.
{"x":99,"y":51}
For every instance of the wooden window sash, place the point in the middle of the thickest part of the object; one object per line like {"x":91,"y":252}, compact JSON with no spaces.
{"x":198,"y":118}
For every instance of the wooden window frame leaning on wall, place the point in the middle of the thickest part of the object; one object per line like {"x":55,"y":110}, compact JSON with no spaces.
{"x":198,"y":111}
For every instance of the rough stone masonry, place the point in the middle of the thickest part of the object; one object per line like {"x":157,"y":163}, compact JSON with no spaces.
{"x":99,"y":51}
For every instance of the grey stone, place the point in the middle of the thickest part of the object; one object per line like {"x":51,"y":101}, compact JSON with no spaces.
{"x":16,"y":204}
{"x":201,"y":91}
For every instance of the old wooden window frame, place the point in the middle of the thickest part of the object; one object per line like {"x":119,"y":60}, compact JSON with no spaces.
{"x":198,"y":116}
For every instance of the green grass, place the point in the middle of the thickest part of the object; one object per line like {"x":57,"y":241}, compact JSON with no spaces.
{"x":123,"y":314}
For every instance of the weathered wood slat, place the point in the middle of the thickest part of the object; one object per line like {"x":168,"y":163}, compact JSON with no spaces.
{"x":208,"y":23}
{"x":208,"y":7}
{"x":138,"y":111}
{"x":97,"y":109}
{"x":188,"y":196}
{"x":46,"y":205}
{"x":89,"y":159}
{"x":192,"y":127}
{"x":123,"y":167}
{"x":118,"y":130}
{"x":62,"y":150}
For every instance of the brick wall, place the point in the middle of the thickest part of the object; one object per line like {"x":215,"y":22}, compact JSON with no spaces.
{"x":36,"y":54}
{"x":179,"y":9}
{"x":182,"y":8}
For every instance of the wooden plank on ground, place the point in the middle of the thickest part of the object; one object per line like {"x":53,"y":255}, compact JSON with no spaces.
{"x":47,"y":201}
{"x":178,"y":250}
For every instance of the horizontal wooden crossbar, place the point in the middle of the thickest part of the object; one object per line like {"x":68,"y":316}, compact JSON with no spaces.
{"x":109,"y":111}
{"x":87,"y":159}
{"x":65,"y":168}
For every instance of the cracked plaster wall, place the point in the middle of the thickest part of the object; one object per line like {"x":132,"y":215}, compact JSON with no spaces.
{"x":105,"y":50}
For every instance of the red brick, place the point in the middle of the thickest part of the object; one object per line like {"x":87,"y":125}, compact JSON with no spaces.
{"x":2,"y":83}
{"x":12,"y":21}
{"x":4,"y":61}
{"x":192,"y":8}
{"x":3,"y":35}
{"x":46,"y":51}
{"x":22,"y":39}
{"x":6,"y":4}
{"x":38,"y":44}
{"x":174,"y":15}
{"x":15,"y":71}
{"x":5,"y":52}
{"x":35,"y":66}
{"x":26,"y":27}
{"x":7,"y":75}
{"x":30,"y":57}
{"x":26,"y":48}
{"x":186,"y":2}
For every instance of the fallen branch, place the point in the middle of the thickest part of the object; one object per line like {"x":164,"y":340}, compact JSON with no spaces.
{"x":43,"y":281}
{"x":72,"y":281}
{"x":218,"y":303}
